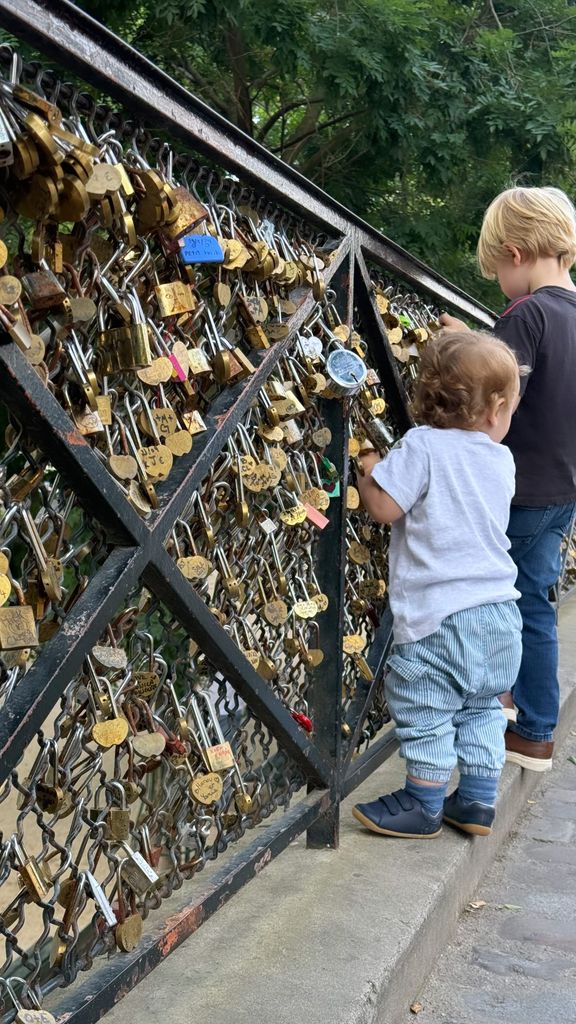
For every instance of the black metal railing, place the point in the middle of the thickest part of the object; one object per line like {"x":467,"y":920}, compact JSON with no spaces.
{"x":201,"y":658}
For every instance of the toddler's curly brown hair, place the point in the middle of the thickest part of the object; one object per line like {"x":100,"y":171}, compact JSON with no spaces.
{"x":462,"y":376}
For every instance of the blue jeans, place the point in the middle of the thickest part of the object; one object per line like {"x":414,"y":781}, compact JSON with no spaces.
{"x":535,"y":536}
{"x":442,"y":692}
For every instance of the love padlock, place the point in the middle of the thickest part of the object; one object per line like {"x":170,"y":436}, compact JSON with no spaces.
{"x":303,"y":721}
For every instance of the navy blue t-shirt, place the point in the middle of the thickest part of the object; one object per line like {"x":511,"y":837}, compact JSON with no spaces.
{"x":541,"y":330}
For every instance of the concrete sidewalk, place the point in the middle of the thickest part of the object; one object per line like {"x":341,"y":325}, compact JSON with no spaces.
{"x":513,"y":959}
{"x":340,"y":937}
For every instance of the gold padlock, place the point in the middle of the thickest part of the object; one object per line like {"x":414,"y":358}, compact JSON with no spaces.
{"x":17,"y":628}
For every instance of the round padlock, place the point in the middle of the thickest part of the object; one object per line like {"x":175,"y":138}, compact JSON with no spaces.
{"x":347,"y":372}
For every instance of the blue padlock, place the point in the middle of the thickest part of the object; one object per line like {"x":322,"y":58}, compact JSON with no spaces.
{"x":201,"y":249}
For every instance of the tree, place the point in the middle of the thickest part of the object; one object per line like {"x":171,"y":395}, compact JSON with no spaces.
{"x":414,"y":113}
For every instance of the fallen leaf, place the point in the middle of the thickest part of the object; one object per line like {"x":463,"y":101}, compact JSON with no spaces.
{"x":510,"y":906}
{"x":476,"y":905}
{"x":416,"y":1007}
{"x":572,"y":758}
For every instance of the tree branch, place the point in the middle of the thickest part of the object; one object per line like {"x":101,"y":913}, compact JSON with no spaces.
{"x":332,"y":143}
{"x":493,"y":12}
{"x":555,"y":24}
{"x":307,"y":125}
{"x":294,"y":143}
{"x":281,"y":112}
{"x":258,"y":83}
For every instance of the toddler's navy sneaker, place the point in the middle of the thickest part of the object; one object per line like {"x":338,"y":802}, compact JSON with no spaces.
{"x":399,"y":814}
{"x":469,"y":816}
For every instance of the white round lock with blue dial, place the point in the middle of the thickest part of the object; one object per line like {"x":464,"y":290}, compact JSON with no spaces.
{"x":346,"y":370}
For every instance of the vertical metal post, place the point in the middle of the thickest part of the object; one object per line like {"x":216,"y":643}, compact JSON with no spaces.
{"x":326,"y":689}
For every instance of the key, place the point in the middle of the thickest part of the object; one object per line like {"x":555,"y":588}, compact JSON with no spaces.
{"x":50,"y":569}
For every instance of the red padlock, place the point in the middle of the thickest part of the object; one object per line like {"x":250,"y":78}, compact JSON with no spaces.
{"x":303,"y":721}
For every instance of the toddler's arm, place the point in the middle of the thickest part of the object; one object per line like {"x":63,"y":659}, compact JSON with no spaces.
{"x":377,"y":503}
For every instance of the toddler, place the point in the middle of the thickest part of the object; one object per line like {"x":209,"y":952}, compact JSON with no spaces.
{"x":446,"y":489}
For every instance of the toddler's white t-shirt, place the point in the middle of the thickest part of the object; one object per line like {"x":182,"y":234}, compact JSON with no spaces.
{"x":450,"y":550}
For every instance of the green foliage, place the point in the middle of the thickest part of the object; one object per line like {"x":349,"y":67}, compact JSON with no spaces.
{"x":414,"y":113}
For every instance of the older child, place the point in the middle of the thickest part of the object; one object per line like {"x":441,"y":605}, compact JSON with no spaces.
{"x":528,"y":242}
{"x":446,"y":488}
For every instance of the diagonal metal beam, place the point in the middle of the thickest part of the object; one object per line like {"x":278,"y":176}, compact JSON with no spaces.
{"x":165,"y":580}
{"x":379,"y":345}
{"x":49,"y":425}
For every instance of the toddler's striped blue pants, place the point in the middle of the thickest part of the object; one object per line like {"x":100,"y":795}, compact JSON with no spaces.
{"x":442,"y":692}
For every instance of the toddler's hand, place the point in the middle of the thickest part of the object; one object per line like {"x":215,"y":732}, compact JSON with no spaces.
{"x":451,"y":323}
{"x":367,"y":462}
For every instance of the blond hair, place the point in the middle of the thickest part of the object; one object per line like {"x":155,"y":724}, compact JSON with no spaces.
{"x":538,"y":221}
{"x":462,"y":376}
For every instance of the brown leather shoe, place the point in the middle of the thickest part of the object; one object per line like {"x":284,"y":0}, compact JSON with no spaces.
{"x":530,"y":754}
{"x":507,"y":702}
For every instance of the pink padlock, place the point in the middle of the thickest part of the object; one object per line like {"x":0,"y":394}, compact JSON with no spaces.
{"x":316,"y":517}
